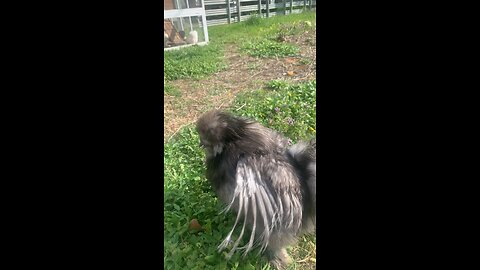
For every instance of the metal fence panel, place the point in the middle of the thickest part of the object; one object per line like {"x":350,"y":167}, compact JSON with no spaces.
{"x":218,"y":11}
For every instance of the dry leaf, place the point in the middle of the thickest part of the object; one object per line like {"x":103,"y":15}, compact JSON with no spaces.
{"x":194,"y":225}
{"x":290,"y":60}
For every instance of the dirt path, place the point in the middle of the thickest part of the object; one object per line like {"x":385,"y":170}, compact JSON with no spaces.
{"x":243,"y":73}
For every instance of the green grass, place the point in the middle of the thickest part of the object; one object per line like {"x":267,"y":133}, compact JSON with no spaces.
{"x":239,"y":33}
{"x":171,"y":90}
{"x":270,"y":43}
{"x":292,"y":28}
{"x":188,"y":194}
{"x":255,"y":19}
{"x":289,"y":108}
{"x":193,"y":62}
{"x":268,"y":48}
{"x":199,"y":61}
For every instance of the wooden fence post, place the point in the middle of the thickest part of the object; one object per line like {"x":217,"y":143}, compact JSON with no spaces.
{"x":228,"y":11}
{"x":260,"y":8}
{"x":291,"y":6}
{"x":204,"y":23}
{"x":268,"y":8}
{"x":239,"y":10}
{"x":284,"y":7}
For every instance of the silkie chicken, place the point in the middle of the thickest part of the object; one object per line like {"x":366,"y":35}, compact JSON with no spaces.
{"x":270,"y":184}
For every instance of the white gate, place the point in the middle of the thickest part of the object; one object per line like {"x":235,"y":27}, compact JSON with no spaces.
{"x":187,"y":18}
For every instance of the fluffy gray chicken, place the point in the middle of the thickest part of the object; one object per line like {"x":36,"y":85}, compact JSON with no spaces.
{"x":270,"y":185}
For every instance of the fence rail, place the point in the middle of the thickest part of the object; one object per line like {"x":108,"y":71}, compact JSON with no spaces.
{"x":217,"y":11}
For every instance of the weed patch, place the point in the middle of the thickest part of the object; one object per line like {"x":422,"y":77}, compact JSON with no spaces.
{"x":283,"y":106}
{"x":171,"y":90}
{"x":269,"y":48}
{"x":193,"y":62}
{"x":254,"y":19}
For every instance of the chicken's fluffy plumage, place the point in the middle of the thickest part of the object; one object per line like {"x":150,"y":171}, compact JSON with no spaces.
{"x":269,"y":184}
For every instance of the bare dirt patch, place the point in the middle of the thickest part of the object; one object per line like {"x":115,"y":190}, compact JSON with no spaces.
{"x":244,"y":73}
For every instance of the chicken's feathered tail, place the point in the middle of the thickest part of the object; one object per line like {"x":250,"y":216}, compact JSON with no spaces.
{"x":267,"y":199}
{"x":304,"y":159}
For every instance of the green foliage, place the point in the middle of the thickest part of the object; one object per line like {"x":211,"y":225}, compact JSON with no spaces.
{"x":245,"y":31}
{"x":269,"y":48}
{"x":285,"y":107}
{"x":283,"y":30}
{"x":171,"y":90}
{"x":188,"y":194}
{"x":254,"y":19}
{"x":295,"y":28}
{"x":192,"y":62}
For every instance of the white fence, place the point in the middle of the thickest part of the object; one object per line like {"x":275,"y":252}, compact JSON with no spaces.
{"x":217,"y":11}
